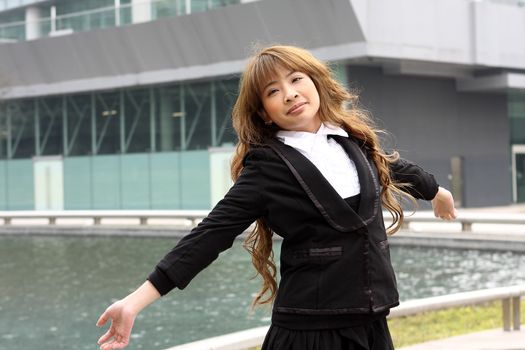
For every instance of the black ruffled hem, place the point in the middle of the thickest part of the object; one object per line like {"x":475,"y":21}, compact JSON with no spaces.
{"x":371,"y":336}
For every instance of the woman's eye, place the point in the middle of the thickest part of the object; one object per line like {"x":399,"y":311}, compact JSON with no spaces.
{"x":271,"y":92}
{"x":295,"y":79}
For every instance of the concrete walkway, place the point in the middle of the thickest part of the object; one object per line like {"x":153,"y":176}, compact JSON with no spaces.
{"x":495,"y":339}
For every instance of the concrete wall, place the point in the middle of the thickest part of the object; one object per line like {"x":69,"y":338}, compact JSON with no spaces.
{"x":200,"y":45}
{"x":463,"y":32}
{"x":430,"y":122}
{"x":425,"y":37}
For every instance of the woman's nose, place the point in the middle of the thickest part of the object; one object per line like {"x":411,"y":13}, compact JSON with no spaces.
{"x":291,"y":95}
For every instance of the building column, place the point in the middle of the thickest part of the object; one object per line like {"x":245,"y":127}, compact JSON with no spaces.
{"x":33,"y":15}
{"x":141,"y":11}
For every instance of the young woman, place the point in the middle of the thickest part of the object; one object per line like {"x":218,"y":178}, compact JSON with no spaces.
{"x":310,"y":169}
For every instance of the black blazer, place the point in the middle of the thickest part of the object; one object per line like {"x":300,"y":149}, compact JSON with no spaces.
{"x":334,"y":260}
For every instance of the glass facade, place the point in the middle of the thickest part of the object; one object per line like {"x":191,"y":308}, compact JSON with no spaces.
{"x":137,"y":148}
{"x":517,"y":117}
{"x":516,"y":108}
{"x":12,"y":26}
{"x":165,"y":118}
{"x":80,"y":16}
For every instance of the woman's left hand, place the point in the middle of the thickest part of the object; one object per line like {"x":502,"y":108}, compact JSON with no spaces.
{"x":443,"y":204}
{"x":122,"y":319}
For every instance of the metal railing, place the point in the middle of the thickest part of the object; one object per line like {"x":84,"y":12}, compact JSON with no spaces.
{"x":510,"y":297}
{"x":466,"y":219}
{"x":97,"y":216}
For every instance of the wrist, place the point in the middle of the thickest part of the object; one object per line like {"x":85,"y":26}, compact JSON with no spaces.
{"x":441,"y":194}
{"x":140,"y":298}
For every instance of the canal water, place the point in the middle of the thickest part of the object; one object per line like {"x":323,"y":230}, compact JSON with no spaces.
{"x":52,"y":289}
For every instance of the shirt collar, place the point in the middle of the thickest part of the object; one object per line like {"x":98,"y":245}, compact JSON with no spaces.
{"x":306,"y":140}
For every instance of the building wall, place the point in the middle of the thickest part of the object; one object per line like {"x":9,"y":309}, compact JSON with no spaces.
{"x":430,"y":122}
{"x":16,"y":184}
{"x":170,"y":180}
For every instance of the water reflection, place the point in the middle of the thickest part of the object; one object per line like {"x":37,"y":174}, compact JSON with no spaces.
{"x":52,"y":289}
{"x":424,"y":272}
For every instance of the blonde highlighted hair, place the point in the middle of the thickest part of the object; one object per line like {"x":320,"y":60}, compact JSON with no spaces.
{"x":337,"y":106}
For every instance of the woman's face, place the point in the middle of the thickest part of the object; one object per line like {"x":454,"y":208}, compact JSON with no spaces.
{"x":291,"y":101}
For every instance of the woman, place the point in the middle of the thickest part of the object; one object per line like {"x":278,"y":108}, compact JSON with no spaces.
{"x":311,"y":170}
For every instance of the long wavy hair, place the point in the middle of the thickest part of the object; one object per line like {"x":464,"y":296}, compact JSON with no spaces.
{"x":337,"y":107}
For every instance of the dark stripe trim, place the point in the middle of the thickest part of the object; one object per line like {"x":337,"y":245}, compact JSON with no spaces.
{"x":309,"y":192}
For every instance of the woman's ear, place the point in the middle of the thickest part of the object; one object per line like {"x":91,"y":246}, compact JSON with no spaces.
{"x":264,"y":116}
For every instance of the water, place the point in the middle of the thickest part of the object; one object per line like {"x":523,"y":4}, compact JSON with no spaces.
{"x":52,"y":289}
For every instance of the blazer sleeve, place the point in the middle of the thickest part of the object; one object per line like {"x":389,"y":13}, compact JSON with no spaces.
{"x":240,"y":207}
{"x":422,"y":185}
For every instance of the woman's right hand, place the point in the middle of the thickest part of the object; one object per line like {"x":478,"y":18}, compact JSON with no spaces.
{"x":118,"y":334}
{"x":122,"y":314}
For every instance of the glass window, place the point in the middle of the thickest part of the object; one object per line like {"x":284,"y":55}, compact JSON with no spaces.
{"x":13,"y":16}
{"x":125,"y":12}
{"x":222,"y":3}
{"x":137,"y":123}
{"x":78,"y":111}
{"x":91,"y":18}
{"x":199,"y":5}
{"x":225,"y":95}
{"x":67,"y":6}
{"x":168,"y":118}
{"x":12,"y":26}
{"x":3,"y":131}
{"x":167,"y":8}
{"x":517,"y":117}
{"x":21,"y":116}
{"x":197,"y":121}
{"x":50,"y":114}
{"x":107,"y":126}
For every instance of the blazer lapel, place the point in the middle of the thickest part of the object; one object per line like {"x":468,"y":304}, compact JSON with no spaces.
{"x":329,"y":203}
{"x":370,"y":190}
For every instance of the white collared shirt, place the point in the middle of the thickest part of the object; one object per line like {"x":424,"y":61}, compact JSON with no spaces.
{"x":327,"y":155}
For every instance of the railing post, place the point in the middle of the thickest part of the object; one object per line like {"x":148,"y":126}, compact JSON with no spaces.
{"x":516,"y":313}
{"x":466,"y":226}
{"x":143,"y":220}
{"x":505,"y":304}
{"x":52,"y":220}
{"x":7,"y":221}
{"x":96,"y":220}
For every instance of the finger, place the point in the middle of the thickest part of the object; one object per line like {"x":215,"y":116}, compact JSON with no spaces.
{"x":120,"y":345}
{"x":105,"y":337}
{"x":114,"y":345}
{"x":107,"y":346}
{"x":103,"y":319}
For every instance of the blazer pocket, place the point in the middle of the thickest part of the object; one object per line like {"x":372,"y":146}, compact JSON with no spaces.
{"x":318,"y":253}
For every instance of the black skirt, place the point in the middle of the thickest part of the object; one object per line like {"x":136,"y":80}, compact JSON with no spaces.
{"x":371,"y":336}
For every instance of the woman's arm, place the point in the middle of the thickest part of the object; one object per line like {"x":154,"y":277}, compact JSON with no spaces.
{"x":424,"y":186}
{"x":122,"y":314}
{"x":242,"y":205}
{"x":421,"y":185}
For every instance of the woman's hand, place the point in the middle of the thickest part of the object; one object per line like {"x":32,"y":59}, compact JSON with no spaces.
{"x":443,"y":204}
{"x":122,"y":318}
{"x":122,"y":315}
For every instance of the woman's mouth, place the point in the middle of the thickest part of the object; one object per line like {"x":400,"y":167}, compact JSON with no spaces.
{"x":297,"y":108}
